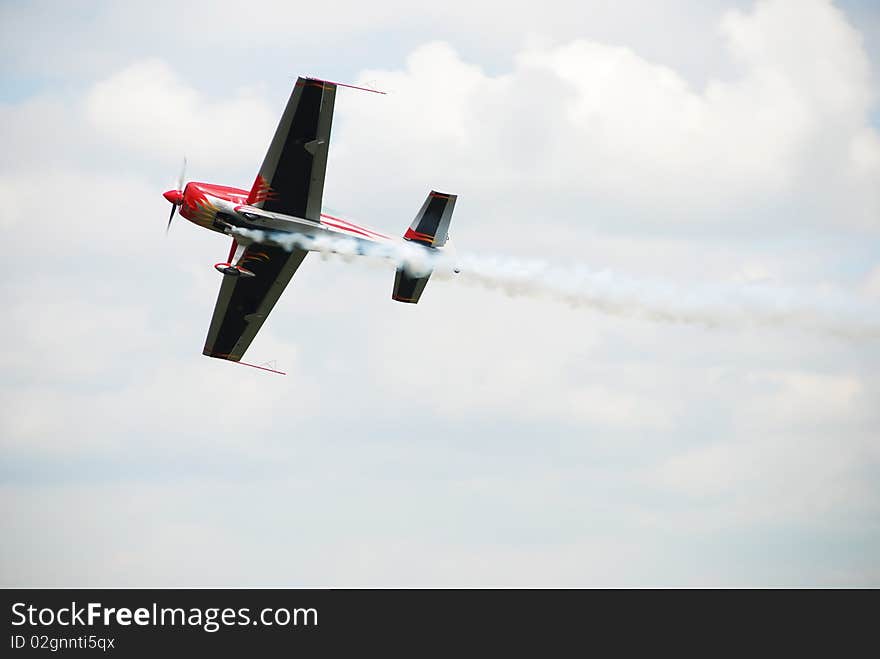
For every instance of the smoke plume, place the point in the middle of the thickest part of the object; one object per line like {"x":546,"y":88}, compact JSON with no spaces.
{"x":708,"y":305}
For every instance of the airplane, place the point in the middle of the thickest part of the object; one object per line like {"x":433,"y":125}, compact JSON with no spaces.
{"x":286,"y":199}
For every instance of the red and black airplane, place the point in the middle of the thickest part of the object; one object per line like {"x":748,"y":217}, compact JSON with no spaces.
{"x":286,"y":199}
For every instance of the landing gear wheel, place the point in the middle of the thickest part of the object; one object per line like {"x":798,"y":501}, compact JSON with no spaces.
{"x":233,"y":270}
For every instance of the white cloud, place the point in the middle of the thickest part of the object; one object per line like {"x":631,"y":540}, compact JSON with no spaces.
{"x":592,"y":123}
{"x":872,"y":282}
{"x":148,"y":108}
{"x":474,"y":438}
{"x":795,"y":453}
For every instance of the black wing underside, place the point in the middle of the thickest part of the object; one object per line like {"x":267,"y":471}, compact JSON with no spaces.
{"x":291,"y":181}
{"x":244,"y":303}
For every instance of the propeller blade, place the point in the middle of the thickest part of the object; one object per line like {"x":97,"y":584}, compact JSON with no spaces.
{"x":170,"y":217}
{"x":182,"y":172}
{"x":175,"y":197}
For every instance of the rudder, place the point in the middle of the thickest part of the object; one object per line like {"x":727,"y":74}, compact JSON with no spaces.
{"x":431,"y":225}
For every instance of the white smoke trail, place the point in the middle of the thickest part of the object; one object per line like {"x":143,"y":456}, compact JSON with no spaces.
{"x":708,"y":305}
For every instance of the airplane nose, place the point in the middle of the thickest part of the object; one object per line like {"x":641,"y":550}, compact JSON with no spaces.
{"x":174,"y":196}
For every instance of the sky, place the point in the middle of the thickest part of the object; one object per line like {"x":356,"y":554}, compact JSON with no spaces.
{"x":479,"y":438}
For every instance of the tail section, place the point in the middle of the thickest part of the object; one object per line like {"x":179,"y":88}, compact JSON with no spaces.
{"x":430,"y":228}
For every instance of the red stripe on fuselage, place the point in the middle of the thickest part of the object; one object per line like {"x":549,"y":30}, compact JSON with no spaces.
{"x":349,"y":229}
{"x":222,"y":191}
{"x":240,"y":196}
{"x":352,"y":226}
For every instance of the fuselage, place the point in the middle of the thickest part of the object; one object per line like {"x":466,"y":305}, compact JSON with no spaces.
{"x":222,"y":208}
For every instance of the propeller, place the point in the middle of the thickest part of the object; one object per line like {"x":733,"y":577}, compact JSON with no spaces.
{"x":175,"y":196}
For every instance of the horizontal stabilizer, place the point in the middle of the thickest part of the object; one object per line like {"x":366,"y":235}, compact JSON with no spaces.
{"x":408,"y":288}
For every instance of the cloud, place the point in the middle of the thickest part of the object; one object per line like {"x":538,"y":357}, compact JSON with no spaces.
{"x":586,"y":124}
{"x":872,"y":283}
{"x":208,"y":37}
{"x":147,"y":108}
{"x":474,"y":438}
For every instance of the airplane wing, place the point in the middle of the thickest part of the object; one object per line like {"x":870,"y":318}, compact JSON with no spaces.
{"x":291,"y":180}
{"x":244,"y":303}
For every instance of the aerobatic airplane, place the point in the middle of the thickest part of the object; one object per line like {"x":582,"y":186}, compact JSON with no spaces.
{"x":286,"y":198}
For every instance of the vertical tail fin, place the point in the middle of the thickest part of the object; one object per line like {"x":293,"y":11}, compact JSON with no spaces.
{"x":431,"y":225}
{"x":430,"y":228}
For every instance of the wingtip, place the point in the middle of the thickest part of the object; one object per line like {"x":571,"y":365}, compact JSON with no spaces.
{"x":344,"y":84}
{"x":237,"y":360}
